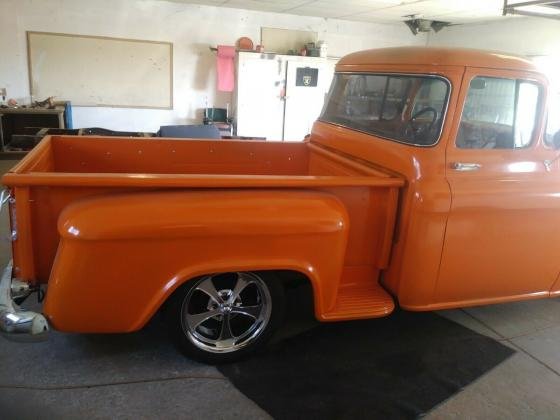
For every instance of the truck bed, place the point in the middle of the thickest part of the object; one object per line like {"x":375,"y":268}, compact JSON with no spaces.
{"x":64,"y":170}
{"x":99,"y":160}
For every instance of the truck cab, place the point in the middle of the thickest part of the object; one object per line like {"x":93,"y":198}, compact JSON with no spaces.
{"x":478,"y":221}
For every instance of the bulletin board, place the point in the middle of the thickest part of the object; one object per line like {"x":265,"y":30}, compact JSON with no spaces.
{"x":100,"y":71}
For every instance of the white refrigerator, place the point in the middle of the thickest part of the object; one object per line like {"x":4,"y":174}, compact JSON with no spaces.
{"x":279,"y":97}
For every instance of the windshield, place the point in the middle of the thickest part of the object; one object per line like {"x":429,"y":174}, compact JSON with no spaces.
{"x":408,"y":109}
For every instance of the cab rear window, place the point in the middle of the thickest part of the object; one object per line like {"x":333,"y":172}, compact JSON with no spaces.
{"x":405,"y":108}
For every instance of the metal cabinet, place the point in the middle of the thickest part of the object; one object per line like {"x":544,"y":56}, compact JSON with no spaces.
{"x":15,"y":120}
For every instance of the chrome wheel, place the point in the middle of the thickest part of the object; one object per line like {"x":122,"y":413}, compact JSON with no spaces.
{"x":223,"y":313}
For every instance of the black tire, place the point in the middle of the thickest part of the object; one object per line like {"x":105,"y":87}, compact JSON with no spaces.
{"x":232,"y":312}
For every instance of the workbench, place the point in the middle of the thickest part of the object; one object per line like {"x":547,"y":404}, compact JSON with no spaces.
{"x":14,"y":120}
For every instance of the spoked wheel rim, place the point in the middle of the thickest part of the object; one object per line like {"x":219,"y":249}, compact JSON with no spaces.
{"x":223,"y":313}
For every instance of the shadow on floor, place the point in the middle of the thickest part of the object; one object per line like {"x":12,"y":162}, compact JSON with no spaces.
{"x":396,"y":367}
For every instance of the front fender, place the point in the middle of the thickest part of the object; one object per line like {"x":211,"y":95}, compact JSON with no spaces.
{"x":121,"y":256}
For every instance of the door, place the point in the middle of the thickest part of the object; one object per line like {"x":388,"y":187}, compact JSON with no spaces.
{"x":503,"y":232}
{"x":307,"y":83}
{"x":260,"y":92}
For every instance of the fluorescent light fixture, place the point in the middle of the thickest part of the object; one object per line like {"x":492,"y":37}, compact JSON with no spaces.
{"x":536,"y":8}
{"x":545,"y":10}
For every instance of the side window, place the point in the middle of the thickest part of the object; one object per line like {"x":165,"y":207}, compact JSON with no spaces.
{"x":499,"y":114}
{"x":552,"y":135}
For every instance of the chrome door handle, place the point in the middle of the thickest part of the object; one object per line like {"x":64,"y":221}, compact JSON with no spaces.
{"x":465,"y":167}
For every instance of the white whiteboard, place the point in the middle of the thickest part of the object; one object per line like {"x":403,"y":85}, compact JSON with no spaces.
{"x":100,"y":71}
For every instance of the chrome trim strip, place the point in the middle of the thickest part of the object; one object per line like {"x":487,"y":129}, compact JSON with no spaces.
{"x":6,"y":197}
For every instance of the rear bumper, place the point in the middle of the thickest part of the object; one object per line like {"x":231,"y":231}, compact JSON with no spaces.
{"x":16,"y":323}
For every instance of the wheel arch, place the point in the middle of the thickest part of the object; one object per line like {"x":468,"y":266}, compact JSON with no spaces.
{"x":151,"y":243}
{"x":286,"y":274}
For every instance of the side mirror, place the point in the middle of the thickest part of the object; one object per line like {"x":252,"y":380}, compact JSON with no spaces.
{"x":478,"y":83}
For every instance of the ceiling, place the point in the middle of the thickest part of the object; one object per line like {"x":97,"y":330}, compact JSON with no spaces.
{"x":389,"y":11}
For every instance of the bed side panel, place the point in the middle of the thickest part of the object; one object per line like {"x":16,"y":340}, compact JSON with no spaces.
{"x":137,"y":248}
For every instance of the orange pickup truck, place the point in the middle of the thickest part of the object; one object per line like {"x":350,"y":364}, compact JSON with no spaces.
{"x":430,"y":180}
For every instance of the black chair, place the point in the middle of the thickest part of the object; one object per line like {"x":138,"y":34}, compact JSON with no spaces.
{"x":220,"y":118}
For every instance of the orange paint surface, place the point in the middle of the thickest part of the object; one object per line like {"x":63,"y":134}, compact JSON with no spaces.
{"x":114,"y":225}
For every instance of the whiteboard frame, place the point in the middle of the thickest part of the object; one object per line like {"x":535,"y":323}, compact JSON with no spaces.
{"x":106,"y":38}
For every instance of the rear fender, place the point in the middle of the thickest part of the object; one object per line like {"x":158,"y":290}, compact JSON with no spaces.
{"x":121,"y":256}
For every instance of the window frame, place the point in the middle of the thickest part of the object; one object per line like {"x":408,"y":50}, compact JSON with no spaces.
{"x":546,"y":110}
{"x":388,"y":75}
{"x":518,"y":80}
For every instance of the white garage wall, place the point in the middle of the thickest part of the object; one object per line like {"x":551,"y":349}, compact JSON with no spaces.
{"x":535,"y":38}
{"x":191,"y":28}
{"x":524,"y":35}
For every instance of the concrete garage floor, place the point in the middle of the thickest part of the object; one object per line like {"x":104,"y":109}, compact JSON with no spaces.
{"x":142,"y":375}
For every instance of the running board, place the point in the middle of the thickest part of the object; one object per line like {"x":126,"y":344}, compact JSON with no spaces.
{"x":360,"y":302}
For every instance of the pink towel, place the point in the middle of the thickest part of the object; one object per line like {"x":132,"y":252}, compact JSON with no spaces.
{"x":226,"y":81}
